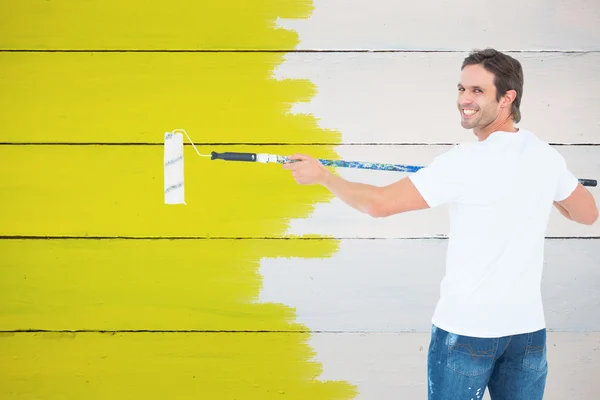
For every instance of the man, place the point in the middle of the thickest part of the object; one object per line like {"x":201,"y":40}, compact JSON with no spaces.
{"x":488,"y":329}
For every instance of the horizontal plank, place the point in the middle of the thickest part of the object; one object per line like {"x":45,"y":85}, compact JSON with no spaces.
{"x":374,"y":362}
{"x":118,"y":191}
{"x":108,"y":191}
{"x":135,"y":98}
{"x":171,"y":25}
{"x":393,"y":285}
{"x":333,"y":24}
{"x":163,"y":365}
{"x":411,"y":97}
{"x":253,"y":366}
{"x":257,"y":285}
{"x":275,"y":98}
{"x":446,"y":26}
{"x":144,"y":285}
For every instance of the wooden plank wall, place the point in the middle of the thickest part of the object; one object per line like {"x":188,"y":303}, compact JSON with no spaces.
{"x":259,"y":288}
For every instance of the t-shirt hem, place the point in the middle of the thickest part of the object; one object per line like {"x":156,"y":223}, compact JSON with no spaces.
{"x":485,"y":334}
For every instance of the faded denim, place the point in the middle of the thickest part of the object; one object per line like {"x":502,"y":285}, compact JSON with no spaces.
{"x":510,"y":367}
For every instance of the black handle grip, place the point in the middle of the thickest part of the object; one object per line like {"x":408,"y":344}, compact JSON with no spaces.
{"x":588,"y":182}
{"x":228,"y":156}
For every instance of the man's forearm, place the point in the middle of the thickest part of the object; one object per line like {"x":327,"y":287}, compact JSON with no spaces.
{"x":360,"y":196}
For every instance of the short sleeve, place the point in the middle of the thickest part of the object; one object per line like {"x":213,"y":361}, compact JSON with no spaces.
{"x":442,"y":181}
{"x":567,"y":182}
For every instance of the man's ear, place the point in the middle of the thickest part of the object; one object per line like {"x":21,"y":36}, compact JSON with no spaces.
{"x":508,"y":98}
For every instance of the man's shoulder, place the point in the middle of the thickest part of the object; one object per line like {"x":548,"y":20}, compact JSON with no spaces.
{"x":542,"y":144}
{"x":460,"y":150}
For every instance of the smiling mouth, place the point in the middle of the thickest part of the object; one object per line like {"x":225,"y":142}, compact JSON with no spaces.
{"x":469,"y":113}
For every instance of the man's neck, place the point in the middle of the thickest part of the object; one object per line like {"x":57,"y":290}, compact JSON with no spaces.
{"x":505,"y":124}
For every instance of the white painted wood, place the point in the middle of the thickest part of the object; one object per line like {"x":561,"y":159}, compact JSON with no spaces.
{"x":449,"y":25}
{"x":411,"y":97}
{"x":338,"y":219}
{"x":391,"y":366}
{"x":393,"y":285}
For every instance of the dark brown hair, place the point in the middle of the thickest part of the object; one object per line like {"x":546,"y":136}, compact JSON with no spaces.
{"x":508,"y":74}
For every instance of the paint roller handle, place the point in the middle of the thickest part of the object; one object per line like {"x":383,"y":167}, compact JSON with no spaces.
{"x":229,"y":156}
{"x":589,"y":182}
{"x":252,"y":157}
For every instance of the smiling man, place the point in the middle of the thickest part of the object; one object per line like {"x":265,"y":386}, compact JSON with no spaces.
{"x":488,"y":328}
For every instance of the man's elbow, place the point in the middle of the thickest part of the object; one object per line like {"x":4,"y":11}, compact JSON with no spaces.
{"x":593,"y":218}
{"x":377,"y":211}
{"x":378,"y":208}
{"x":589,"y":218}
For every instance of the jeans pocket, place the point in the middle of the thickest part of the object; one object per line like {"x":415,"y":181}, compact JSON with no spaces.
{"x":535,"y":351}
{"x":470,"y":356}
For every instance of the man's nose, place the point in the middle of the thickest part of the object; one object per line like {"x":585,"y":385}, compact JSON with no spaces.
{"x":464,"y":99}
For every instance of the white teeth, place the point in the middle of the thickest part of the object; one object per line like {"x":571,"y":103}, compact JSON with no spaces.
{"x":469,"y":112}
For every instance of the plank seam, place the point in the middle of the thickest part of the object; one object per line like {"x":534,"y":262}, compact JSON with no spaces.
{"x":283,"y":51}
{"x":65,"y":237}
{"x":262,"y":144}
{"x":236,"y":331}
{"x":170,"y":331}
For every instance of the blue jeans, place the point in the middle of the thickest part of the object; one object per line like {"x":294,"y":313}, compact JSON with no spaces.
{"x":511,"y":367}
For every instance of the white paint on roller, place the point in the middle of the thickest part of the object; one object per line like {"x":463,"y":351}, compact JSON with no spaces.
{"x":174,"y":172}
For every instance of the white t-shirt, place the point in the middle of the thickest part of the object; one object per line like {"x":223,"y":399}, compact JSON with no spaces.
{"x":499,"y":193}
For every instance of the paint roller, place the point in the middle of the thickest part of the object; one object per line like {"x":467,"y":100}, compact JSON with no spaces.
{"x":173,"y":159}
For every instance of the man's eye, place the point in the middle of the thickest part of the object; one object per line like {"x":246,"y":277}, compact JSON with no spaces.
{"x":478,"y":91}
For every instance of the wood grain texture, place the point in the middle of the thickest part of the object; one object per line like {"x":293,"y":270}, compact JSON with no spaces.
{"x":134,"y":97}
{"x":260,"y":97}
{"x":538,"y":25}
{"x":244,"y":366}
{"x":411,"y":97}
{"x":170,"y":25}
{"x":257,"y":285}
{"x":118,"y":191}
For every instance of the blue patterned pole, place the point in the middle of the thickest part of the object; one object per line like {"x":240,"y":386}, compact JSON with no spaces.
{"x":359,"y":164}
{"x":274,"y":158}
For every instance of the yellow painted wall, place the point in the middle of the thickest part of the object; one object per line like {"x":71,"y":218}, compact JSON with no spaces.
{"x":81,"y":160}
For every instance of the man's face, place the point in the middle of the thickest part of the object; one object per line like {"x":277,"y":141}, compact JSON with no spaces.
{"x":477,"y":97}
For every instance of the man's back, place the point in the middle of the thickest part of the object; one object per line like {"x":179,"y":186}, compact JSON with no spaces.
{"x":500,"y":193}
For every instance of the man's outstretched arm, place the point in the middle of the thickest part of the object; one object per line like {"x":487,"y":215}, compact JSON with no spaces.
{"x":398,"y":197}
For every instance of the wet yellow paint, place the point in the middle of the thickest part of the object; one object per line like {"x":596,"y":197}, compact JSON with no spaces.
{"x":136,"y":97}
{"x":242,"y":366}
{"x":138,"y":24}
{"x":144,"y":284}
{"x":87,"y":190}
